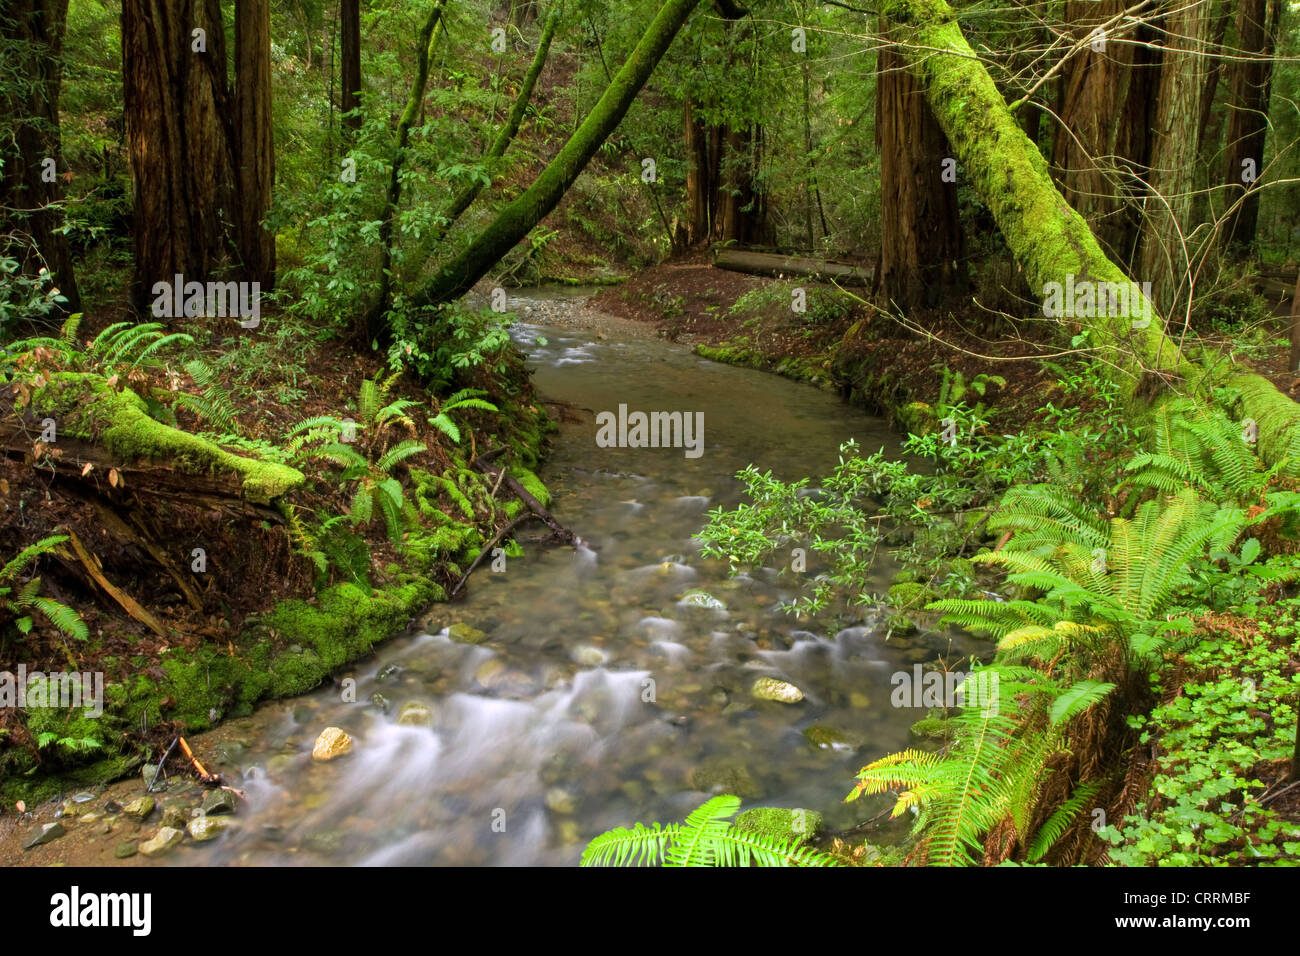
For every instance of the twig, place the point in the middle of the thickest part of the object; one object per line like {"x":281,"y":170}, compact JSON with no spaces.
{"x":488,"y":547}
{"x":161,"y":764}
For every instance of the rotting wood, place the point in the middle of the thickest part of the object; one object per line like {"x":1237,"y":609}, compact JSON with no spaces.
{"x":124,"y":600}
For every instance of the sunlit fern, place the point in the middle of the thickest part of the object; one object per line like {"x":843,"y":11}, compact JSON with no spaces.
{"x":988,"y":774}
{"x":706,"y":838}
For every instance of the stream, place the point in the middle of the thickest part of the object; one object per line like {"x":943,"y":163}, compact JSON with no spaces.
{"x":598,"y":696}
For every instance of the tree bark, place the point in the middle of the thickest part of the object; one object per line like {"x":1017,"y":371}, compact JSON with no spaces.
{"x":1258,"y":23}
{"x":518,"y":218}
{"x":31,"y":38}
{"x":1106,"y":97}
{"x":350,"y":68}
{"x":1168,"y":258}
{"x":177,"y":120}
{"x":1051,"y":241}
{"x":254,"y":140}
{"x":921,"y":244}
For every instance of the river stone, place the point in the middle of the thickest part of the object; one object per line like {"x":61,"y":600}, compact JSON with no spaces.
{"x":331,"y":743}
{"x":464,"y":634}
{"x":490,"y":672}
{"x":205,"y":828}
{"x":722,"y":775}
{"x":219,"y":801}
{"x":163,"y":841}
{"x":587,"y":656}
{"x":139,"y":808}
{"x":769,"y":688}
{"x":415,"y":714}
{"x":125,"y":850}
{"x":84,"y":797}
{"x":48,"y":833}
{"x":830,"y":738}
{"x":380,"y":701}
{"x":703,"y":599}
{"x":560,"y":800}
{"x":174,"y":817}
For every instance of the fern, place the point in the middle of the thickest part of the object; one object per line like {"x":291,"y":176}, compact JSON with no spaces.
{"x":64,"y":618}
{"x":1060,"y":820}
{"x":706,"y":838}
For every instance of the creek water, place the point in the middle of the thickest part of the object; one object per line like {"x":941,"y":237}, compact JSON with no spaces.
{"x":598,"y":697}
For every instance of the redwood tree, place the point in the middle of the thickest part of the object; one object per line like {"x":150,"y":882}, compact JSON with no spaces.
{"x":1258,"y":23}
{"x":31,"y":42}
{"x":921,"y":245}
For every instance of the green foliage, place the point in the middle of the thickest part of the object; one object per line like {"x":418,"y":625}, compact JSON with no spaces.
{"x":465,"y":398}
{"x":706,"y":838}
{"x":1207,"y":804}
{"x":19,"y":599}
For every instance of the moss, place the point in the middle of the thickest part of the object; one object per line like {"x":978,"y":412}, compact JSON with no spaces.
{"x":37,"y":789}
{"x":779,"y":824}
{"x":911,"y":595}
{"x":811,"y":371}
{"x":86,"y":406}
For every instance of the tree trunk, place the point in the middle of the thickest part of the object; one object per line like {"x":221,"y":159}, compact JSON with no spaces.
{"x":177,"y":121}
{"x":1168,"y":257}
{"x":31,"y":38}
{"x":1049,"y":240}
{"x":921,"y":247}
{"x":350,"y":68}
{"x":423,"y":54}
{"x":254,"y":141}
{"x":536,"y":202}
{"x":1106,"y":96}
{"x":1258,"y":23}
{"x":699,"y":175}
{"x":451,"y":212}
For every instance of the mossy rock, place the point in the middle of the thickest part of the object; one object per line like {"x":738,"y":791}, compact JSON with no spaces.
{"x":794,"y":826}
{"x":917,"y":418}
{"x":911,"y":595}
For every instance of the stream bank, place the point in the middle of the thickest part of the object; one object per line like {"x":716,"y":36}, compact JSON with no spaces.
{"x":573,"y":689}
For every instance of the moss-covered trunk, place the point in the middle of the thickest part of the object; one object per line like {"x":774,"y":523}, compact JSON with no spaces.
{"x":515,"y":221}
{"x":1050,"y":241}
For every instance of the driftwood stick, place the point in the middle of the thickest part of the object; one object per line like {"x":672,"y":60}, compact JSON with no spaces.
{"x":496,"y":539}
{"x":531,"y":503}
{"x":162,"y":763}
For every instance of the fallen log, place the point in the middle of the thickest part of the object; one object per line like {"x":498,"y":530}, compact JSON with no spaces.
{"x":779,"y":266}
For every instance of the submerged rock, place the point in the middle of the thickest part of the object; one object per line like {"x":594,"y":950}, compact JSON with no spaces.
{"x":464,"y":634}
{"x":702,"y":599}
{"x":331,"y":743}
{"x":769,"y":688}
{"x":830,"y":738}
{"x":163,"y":841}
{"x":560,"y":800}
{"x":48,"y":833}
{"x":415,"y":714}
{"x":722,"y":775}
{"x":125,"y":850}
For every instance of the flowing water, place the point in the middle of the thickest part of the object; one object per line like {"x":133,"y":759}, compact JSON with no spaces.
{"x":598,"y":698}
